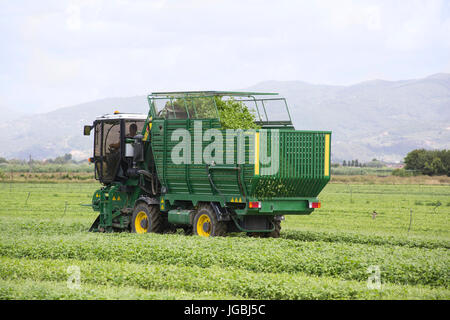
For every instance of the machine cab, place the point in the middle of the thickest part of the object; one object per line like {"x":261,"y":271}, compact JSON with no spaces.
{"x":113,"y":144}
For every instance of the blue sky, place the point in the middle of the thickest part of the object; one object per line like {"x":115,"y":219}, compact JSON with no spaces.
{"x":59,"y":53}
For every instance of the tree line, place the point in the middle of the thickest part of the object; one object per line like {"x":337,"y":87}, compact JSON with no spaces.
{"x":355,"y":163}
{"x":429,"y":162}
{"x":65,"y":159}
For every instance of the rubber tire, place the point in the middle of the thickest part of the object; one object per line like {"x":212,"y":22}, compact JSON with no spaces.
{"x":276,"y":232}
{"x":154,"y":218}
{"x":219,"y":228}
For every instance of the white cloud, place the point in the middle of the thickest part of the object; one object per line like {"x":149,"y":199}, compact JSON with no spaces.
{"x":351,"y":14}
{"x":419,"y":25}
{"x":68,"y":52}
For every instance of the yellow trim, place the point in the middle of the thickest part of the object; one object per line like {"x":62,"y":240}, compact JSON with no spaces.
{"x":201,"y":220}
{"x":257,"y":154}
{"x":147,"y":131}
{"x":137,"y":222}
{"x":327,"y":155}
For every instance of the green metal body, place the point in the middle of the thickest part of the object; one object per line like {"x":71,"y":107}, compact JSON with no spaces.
{"x":114,"y":207}
{"x":303,"y":171}
{"x":180,"y":217}
{"x":300,"y":178}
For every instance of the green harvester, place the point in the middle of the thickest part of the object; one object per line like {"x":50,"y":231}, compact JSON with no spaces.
{"x":177,"y":167}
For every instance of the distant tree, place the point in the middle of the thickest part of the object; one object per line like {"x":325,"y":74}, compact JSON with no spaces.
{"x":374,"y":163}
{"x":416,"y":159}
{"x":344,"y":163}
{"x":62,"y":159}
{"x":3,"y":160}
{"x":430,"y":162}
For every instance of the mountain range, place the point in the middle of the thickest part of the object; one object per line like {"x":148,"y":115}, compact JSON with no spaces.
{"x":373,"y":119}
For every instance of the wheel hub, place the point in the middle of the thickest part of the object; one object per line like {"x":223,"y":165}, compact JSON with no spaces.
{"x":144,"y":223}
{"x":206,"y":227}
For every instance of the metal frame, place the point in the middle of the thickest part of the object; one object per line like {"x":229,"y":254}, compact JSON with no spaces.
{"x":267,"y":121}
{"x":192,"y":95}
{"x":153,"y":113}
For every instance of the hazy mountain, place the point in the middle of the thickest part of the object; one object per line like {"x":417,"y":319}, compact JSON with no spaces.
{"x":373,"y":119}
{"x":382,"y":119}
{"x":9,"y":114}
{"x":51,"y":134}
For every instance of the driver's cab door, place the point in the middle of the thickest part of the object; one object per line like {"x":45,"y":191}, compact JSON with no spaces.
{"x":107,"y":149}
{"x":109,"y":146}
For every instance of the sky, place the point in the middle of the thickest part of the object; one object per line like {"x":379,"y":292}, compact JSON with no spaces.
{"x":61,"y":53}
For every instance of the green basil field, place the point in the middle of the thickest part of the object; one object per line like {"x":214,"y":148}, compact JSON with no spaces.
{"x":368,"y":241}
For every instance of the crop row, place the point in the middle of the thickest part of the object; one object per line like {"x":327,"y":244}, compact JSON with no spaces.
{"x":211,"y":280}
{"x":28,"y":289}
{"x":70,"y":225}
{"x":401,"y":265}
{"x":364,"y":239}
{"x":31,"y":226}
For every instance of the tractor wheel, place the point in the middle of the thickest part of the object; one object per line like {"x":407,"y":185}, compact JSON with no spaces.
{"x":206,"y":224}
{"x":147,"y":219}
{"x":276,"y":232}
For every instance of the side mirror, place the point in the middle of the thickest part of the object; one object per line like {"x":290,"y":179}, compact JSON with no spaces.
{"x":138,"y":155}
{"x":87,"y":130}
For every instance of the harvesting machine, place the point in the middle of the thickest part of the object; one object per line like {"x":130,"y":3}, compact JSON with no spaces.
{"x":178,"y":167}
